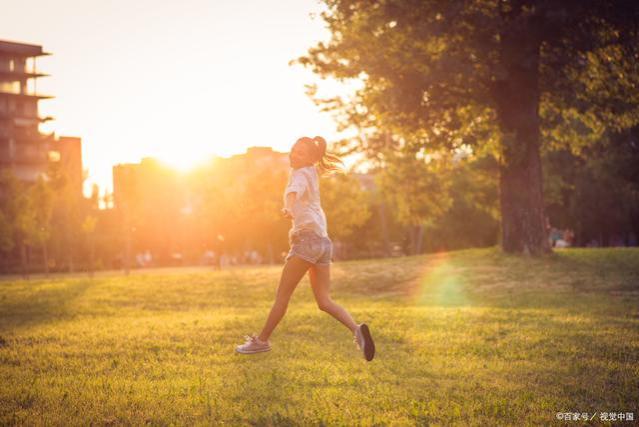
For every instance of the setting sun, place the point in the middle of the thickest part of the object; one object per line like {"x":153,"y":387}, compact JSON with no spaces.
{"x":180,"y":84}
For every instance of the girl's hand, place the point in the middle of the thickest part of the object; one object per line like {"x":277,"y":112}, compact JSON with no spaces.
{"x":287,"y":213}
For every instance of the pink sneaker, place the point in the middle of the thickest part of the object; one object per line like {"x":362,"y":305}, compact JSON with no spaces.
{"x":253,"y":345}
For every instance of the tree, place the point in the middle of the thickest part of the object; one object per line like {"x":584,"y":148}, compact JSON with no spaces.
{"x":497,"y":75}
{"x":256,"y":200}
{"x":42,"y":201}
{"x":596,"y":193}
{"x":88,"y":229}
{"x":473,"y":218}
{"x":19,"y":215}
{"x":6,"y":235}
{"x":345,"y":204}
{"x":417,"y":189}
{"x":240,"y":205}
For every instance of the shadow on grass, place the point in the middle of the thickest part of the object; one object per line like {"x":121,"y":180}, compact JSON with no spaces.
{"x":25,"y":304}
{"x":486,"y":277}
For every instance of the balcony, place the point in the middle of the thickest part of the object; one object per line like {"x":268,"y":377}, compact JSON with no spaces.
{"x":24,"y":119}
{"x":16,"y":76}
{"x":25,"y":95}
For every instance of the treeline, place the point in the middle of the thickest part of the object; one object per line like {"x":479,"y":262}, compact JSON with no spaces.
{"x":46,"y":225}
{"x":409,"y":202}
{"x":595,"y":190}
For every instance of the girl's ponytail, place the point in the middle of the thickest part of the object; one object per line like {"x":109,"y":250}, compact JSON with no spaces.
{"x":327,"y":162}
{"x":321,"y":144}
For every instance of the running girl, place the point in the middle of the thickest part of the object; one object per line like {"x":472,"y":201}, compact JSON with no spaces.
{"x":310,"y":247}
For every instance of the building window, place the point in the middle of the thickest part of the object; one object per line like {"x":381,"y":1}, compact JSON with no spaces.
{"x":10,"y":87}
{"x":54,"y":156}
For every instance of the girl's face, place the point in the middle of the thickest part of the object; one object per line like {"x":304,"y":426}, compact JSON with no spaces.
{"x":300,"y":156}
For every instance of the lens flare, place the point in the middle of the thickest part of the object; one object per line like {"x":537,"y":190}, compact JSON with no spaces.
{"x":441,"y":283}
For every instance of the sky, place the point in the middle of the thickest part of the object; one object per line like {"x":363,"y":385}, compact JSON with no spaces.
{"x":179,"y":81}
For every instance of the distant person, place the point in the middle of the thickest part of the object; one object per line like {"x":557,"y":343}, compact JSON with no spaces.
{"x":225,"y":260}
{"x":310,"y":247}
{"x":148,"y":258}
{"x":569,"y":236}
{"x":555,"y":235}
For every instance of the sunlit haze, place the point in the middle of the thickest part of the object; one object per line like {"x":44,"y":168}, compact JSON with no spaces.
{"x":179,"y":81}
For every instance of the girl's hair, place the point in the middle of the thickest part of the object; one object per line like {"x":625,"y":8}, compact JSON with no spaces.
{"x":326,"y":162}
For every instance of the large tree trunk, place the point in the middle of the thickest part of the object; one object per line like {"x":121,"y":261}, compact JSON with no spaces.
{"x":517,"y":100}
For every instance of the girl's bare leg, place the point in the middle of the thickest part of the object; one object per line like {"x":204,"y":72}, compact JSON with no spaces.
{"x":320,"y":276}
{"x":293,"y":271}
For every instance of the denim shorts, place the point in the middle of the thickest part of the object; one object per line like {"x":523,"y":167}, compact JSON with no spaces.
{"x":311,"y":247}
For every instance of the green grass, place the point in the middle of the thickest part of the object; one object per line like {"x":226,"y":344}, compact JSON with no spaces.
{"x":463,"y":338}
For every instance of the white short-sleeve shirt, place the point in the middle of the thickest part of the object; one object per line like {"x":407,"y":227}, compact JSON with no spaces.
{"x":307,"y":210}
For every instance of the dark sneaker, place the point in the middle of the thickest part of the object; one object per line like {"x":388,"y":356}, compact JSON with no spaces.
{"x":365,"y":341}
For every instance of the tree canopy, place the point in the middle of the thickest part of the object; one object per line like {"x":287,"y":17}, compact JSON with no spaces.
{"x":505,"y":77}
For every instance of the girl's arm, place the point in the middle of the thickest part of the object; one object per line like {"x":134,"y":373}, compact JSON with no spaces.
{"x":295,"y":188}
{"x":287,"y":211}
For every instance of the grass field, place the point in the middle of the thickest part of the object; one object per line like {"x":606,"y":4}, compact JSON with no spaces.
{"x":464,"y":338}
